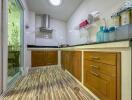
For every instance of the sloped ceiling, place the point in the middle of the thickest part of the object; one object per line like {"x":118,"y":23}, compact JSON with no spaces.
{"x":62,"y":12}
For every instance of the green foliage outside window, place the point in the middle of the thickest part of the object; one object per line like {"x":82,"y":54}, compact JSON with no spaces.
{"x":13,"y":24}
{"x":14,"y":29}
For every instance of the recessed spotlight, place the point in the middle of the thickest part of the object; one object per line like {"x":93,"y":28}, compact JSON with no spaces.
{"x":55,"y":2}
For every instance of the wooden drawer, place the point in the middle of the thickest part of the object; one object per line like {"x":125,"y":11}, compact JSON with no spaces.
{"x":103,"y":57}
{"x":100,"y":67}
{"x":102,"y":74}
{"x":102,"y":85}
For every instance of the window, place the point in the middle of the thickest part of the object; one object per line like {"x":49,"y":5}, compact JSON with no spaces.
{"x":15,"y":26}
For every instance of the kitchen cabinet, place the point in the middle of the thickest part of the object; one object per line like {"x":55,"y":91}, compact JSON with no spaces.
{"x":66,"y":57}
{"x":44,"y":58}
{"x":102,"y":74}
{"x":71,"y":61}
{"x":65,"y":60}
{"x":77,"y":64}
{"x":51,"y":57}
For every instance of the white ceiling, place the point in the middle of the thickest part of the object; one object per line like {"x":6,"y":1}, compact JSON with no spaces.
{"x":62,"y":12}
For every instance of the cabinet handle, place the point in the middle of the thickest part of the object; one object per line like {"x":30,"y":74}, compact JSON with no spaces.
{"x":96,"y":58}
{"x":95,"y":74}
{"x":97,"y":67}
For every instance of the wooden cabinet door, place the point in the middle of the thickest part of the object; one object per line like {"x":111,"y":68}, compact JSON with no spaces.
{"x":44,"y":58}
{"x":77,"y":69}
{"x":102,"y":85}
{"x":51,"y":57}
{"x":37,"y":58}
{"x":101,"y":76}
{"x":63,"y":60}
{"x":67,"y":61}
{"x":71,"y":61}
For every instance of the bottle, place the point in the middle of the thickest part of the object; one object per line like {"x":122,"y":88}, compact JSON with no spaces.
{"x":102,"y":34}
{"x":99,"y":34}
{"x":98,"y":39}
{"x":112,"y":34}
{"x":106,"y":34}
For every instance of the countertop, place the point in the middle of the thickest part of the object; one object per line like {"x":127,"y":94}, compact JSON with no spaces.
{"x":35,"y":46}
{"x":86,"y":44}
{"x":92,"y":43}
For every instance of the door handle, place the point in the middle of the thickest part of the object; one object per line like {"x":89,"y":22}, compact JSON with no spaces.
{"x":95,"y":74}
{"x":93,"y":66}
{"x":96,"y":58}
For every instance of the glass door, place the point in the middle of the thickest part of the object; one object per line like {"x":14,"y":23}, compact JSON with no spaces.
{"x":15,"y":39}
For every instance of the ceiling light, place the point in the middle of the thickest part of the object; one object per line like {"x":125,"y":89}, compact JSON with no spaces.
{"x":55,"y":2}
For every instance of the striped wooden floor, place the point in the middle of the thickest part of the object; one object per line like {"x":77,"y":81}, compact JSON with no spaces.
{"x":51,"y":83}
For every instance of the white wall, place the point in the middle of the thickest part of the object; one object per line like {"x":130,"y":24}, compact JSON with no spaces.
{"x":106,"y":7}
{"x":59,"y":35}
{"x":33,"y":22}
{"x":29,"y":34}
{"x":26,"y":22}
{"x":65,"y":32}
{"x":59,"y":31}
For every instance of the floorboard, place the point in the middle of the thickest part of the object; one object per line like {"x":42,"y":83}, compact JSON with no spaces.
{"x":50,"y":83}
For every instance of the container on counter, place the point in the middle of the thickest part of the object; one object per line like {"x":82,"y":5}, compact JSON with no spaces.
{"x":94,"y":16}
{"x":99,"y":35}
{"x":106,"y":34}
{"x":124,"y":32}
{"x":116,"y":20}
{"x":112,"y":33}
{"x":126,"y":17}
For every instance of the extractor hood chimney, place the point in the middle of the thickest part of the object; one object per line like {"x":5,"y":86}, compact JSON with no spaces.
{"x":45,"y":24}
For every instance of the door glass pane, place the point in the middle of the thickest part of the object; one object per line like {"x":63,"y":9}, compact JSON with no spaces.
{"x":14,"y":38}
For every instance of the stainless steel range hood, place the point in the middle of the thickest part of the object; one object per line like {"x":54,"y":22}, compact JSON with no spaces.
{"x":45,"y":24}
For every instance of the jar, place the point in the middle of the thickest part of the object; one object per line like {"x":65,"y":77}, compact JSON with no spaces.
{"x":116,"y":20}
{"x":126,"y":17}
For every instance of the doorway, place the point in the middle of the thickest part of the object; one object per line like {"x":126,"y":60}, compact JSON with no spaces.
{"x":15,"y":39}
